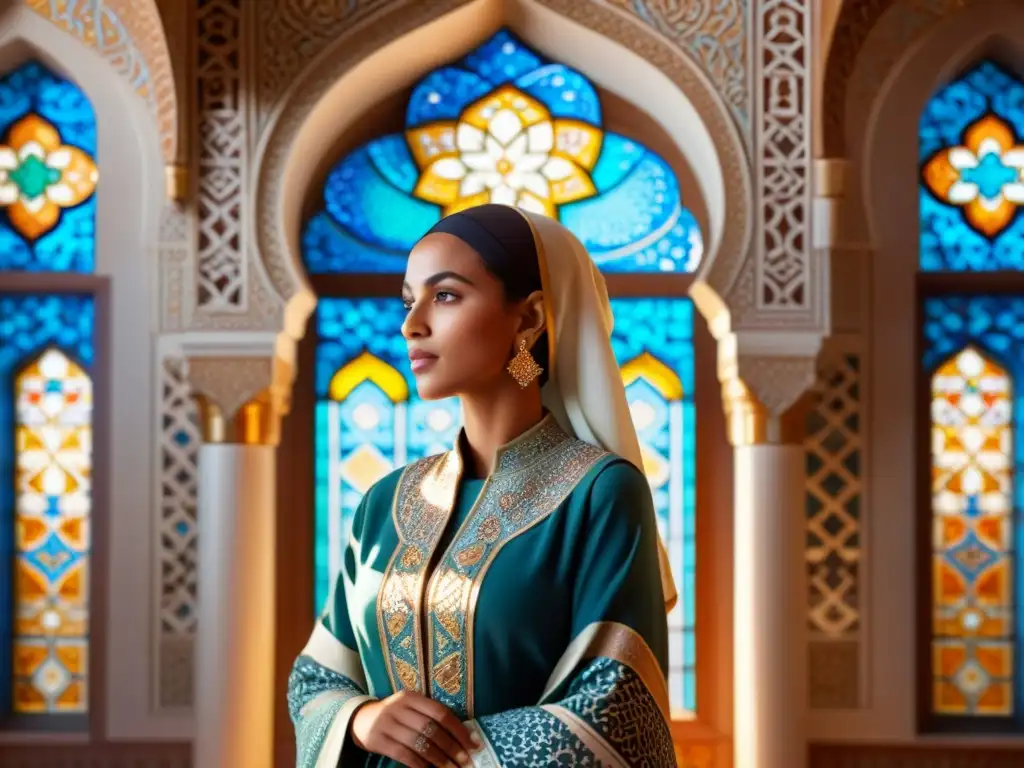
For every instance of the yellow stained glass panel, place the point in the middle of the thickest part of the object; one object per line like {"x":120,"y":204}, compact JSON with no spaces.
{"x":53,"y":505}
{"x":972,"y":549}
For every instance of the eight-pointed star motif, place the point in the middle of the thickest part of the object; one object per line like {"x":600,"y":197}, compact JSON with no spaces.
{"x":506,"y":149}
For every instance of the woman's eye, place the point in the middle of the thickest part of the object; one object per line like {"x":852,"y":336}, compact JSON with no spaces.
{"x":407,"y":304}
{"x":445,"y":296}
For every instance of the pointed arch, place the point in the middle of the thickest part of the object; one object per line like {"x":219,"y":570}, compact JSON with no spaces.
{"x":929,"y":301}
{"x":130,"y":36}
{"x":344,"y":81}
{"x":667,"y":107}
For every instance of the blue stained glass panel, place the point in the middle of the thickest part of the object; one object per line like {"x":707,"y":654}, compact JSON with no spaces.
{"x":948,"y":241}
{"x":30,"y":323}
{"x":662,"y":329}
{"x":369,"y":429}
{"x":502,"y":58}
{"x":375,"y":210}
{"x":70,"y":245}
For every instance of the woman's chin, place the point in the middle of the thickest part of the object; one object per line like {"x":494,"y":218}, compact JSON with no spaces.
{"x":429,"y":390}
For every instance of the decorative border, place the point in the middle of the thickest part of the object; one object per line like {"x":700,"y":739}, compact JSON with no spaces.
{"x":129,"y":34}
{"x":715,"y":34}
{"x":220,"y":118}
{"x":835,"y":448}
{"x":785,"y":278}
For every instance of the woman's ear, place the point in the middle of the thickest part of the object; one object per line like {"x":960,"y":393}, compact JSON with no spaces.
{"x":533,"y":319}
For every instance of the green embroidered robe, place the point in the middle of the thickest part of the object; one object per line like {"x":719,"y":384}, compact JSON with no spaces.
{"x":530,"y":604}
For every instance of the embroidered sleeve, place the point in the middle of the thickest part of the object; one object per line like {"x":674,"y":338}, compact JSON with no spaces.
{"x":606,"y":703}
{"x":326,"y":686}
{"x":321,"y":702}
{"x":607,"y":715}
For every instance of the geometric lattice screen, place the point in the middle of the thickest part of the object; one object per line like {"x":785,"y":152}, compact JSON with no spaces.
{"x":177,"y":535}
{"x":48,"y":177}
{"x":834,"y":455}
{"x":971,"y":139}
{"x":504,"y":125}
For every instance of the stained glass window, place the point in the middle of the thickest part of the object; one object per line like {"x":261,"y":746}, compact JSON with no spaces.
{"x":53,"y":466}
{"x":975,"y":353}
{"x":972,"y":158}
{"x":48,"y":179}
{"x":46,"y":348}
{"x":370,"y":421}
{"x":653,"y":343}
{"x":47,"y":173}
{"x":503,"y":125}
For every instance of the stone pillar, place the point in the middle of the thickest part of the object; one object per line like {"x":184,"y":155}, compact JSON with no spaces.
{"x":769,"y":647}
{"x":234,"y":668}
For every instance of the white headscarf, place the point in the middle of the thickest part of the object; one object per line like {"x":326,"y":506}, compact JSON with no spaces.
{"x":584,"y":391}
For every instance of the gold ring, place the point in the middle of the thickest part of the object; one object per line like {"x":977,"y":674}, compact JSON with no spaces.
{"x":422,"y":744}
{"x":429,"y":729}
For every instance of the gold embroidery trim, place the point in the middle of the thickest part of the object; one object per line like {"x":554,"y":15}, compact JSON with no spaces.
{"x":541,"y":470}
{"x":420,"y":511}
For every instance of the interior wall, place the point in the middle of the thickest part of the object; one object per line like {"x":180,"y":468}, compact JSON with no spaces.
{"x":884,"y":183}
{"x":129,"y":197}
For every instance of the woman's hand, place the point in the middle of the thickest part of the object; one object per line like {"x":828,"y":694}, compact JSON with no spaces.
{"x":414,"y":730}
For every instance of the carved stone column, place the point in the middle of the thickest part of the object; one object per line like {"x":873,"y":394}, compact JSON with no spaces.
{"x":241,"y":401}
{"x":769,"y":651}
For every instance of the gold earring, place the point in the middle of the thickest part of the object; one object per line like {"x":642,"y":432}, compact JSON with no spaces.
{"x":523,"y":367}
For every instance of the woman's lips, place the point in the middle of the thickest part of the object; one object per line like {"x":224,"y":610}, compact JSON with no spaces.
{"x":420,"y":361}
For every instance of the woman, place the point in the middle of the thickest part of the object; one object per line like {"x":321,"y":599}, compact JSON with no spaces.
{"x":500,"y":604}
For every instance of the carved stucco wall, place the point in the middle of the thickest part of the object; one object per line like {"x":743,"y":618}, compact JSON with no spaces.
{"x":129,"y":34}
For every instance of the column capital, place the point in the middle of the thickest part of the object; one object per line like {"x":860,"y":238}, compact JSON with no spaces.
{"x":241,"y":399}
{"x":830,"y":176}
{"x":765,"y":395}
{"x":176,"y":182}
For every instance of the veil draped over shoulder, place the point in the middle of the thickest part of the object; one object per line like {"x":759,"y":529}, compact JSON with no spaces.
{"x":584,"y":391}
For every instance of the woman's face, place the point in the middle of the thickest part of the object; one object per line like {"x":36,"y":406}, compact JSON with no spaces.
{"x":459,"y":328}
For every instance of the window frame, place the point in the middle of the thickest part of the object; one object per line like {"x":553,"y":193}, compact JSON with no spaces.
{"x":92,"y":723}
{"x":937,"y":285}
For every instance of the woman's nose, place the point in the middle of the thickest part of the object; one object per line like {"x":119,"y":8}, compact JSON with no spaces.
{"x":414,"y":327}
